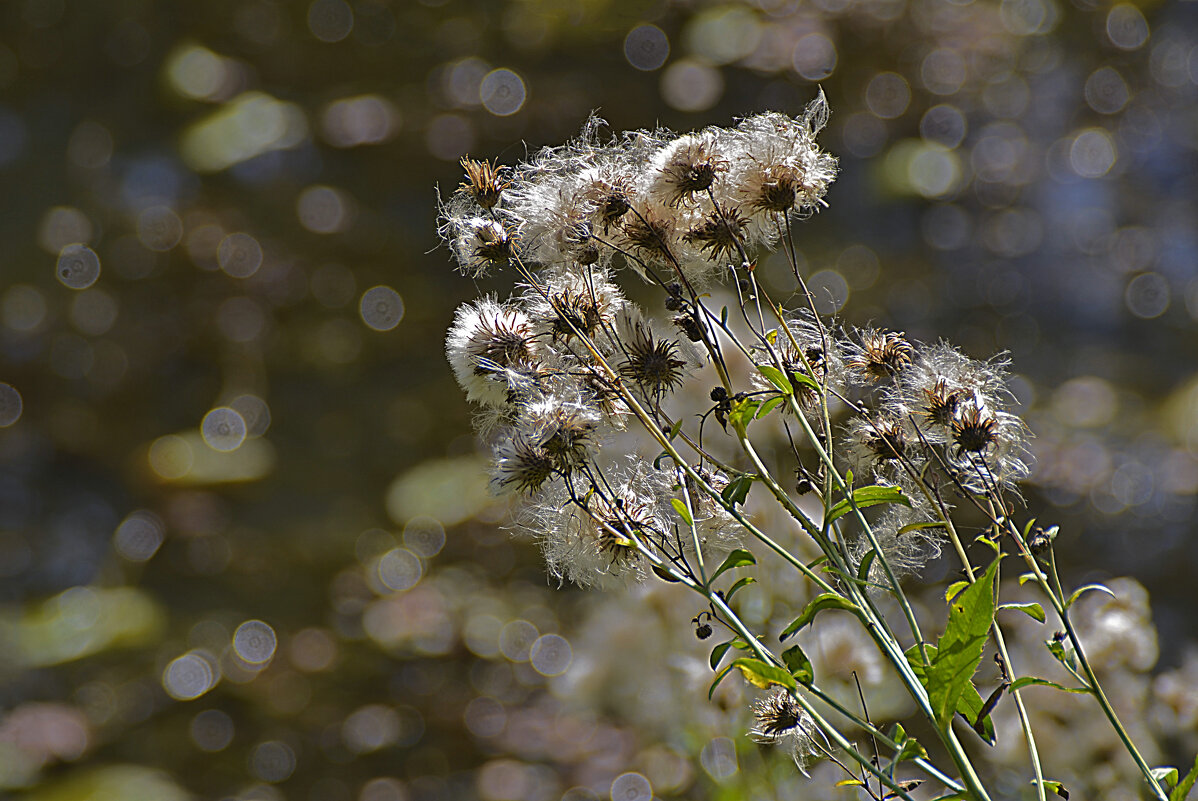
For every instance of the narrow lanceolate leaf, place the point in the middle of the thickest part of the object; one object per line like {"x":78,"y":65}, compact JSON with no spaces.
{"x":1182,"y":791}
{"x":716,"y":681}
{"x":960,"y":647}
{"x":762,"y":675}
{"x":805,"y":380}
{"x":1027,"y":681}
{"x":680,"y":507}
{"x":768,"y":406}
{"x":1056,"y":787}
{"x":741,"y":582}
{"x":663,"y":574}
{"x":738,"y":558}
{"x":1032,"y":610}
{"x":867,"y":496}
{"x":777,"y":378}
{"x":818,"y":604}
{"x":1084,"y":589}
{"x":799,"y":664}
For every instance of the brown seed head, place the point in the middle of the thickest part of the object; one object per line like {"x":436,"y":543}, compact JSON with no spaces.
{"x":974,"y":431}
{"x":719,"y":233}
{"x":483,"y":182}
{"x":883,"y":353}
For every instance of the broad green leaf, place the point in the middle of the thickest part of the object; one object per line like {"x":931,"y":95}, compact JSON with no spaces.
{"x":867,"y":496}
{"x":776,"y":377}
{"x":970,"y":704}
{"x":1027,"y":681}
{"x":759,"y":674}
{"x":718,"y":652}
{"x":742,"y":412}
{"x":805,"y":380}
{"x":1182,"y":790}
{"x":910,"y":749}
{"x":799,"y":664}
{"x":1084,"y":589}
{"x":1032,"y":610}
{"x":738,"y":489}
{"x":768,"y":406}
{"x":954,"y":589}
{"x":818,"y":604}
{"x":738,"y":558}
{"x":742,"y":582}
{"x":959,"y":649}
{"x":683,"y":512}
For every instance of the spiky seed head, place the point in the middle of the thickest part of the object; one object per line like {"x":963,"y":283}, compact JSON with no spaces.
{"x":483,"y":182}
{"x":885,"y":440}
{"x":689,"y":165}
{"x":522,"y":465}
{"x":882,"y":354}
{"x":719,"y":233}
{"x":974,"y":430}
{"x":648,"y":233}
{"x":652,"y":362}
{"x":940,"y":403}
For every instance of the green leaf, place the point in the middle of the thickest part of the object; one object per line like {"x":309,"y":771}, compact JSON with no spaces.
{"x":1084,"y":589}
{"x":1056,"y":787}
{"x":1027,"y":681}
{"x":867,"y":496}
{"x":827,"y":600}
{"x":954,"y":589}
{"x":849,"y":783}
{"x":674,"y":429}
{"x":738,"y":558}
{"x":1032,"y":610}
{"x":718,"y":652}
{"x":716,"y":682}
{"x":663,"y":574}
{"x":777,"y":378}
{"x":1166,"y":774}
{"x":742,"y":582}
{"x":805,"y":380}
{"x":959,"y":649}
{"x":738,"y":489}
{"x":1024,"y":578}
{"x":799,"y":665}
{"x":1064,"y":655}
{"x":768,"y":406}
{"x":742,"y":412}
{"x":970,"y":704}
{"x":683,"y":512}
{"x":910,"y":749}
{"x":1182,"y":790}
{"x":866,"y":562}
{"x":759,"y":674}
{"x":724,"y":316}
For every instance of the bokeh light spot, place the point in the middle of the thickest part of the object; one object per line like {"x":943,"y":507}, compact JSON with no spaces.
{"x":1106,"y":91}
{"x":398,"y":570}
{"x":691,"y":86}
{"x":1147,"y":296}
{"x":139,"y":536}
{"x":223,"y":429}
{"x":502,"y":92}
{"x":550,"y":655}
{"x":1126,"y":27}
{"x":78,"y":266}
{"x":11,"y":405}
{"x":646,"y":47}
{"x":424,"y":536}
{"x":381,"y":308}
{"x":1092,"y":154}
{"x":830,"y":291}
{"x":944,"y":124}
{"x":814,"y":57}
{"x":171,"y":457}
{"x":189,"y":676}
{"x":631,"y":787}
{"x":360,"y":120}
{"x":888,"y":95}
{"x":323,"y":209}
{"x":370,"y":728}
{"x":255,"y":642}
{"x":330,"y":20}
{"x":23,"y":307}
{"x":212,"y":730}
{"x":62,"y":226}
{"x":239,"y":255}
{"x":159,"y":228}
{"x":273,"y":761}
{"x":718,"y":758}
{"x":516,"y":639}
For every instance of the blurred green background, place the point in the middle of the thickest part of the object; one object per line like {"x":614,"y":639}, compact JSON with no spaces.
{"x":313,"y":598}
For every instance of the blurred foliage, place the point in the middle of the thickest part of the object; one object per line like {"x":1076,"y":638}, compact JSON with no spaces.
{"x":267,"y":604}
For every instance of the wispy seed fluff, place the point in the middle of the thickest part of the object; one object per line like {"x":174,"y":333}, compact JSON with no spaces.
{"x":486,"y":343}
{"x":657,"y":201}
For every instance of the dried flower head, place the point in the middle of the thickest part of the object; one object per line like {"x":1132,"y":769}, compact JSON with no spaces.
{"x":686,"y":166}
{"x":720,"y":233}
{"x":486,"y":341}
{"x":881,"y":354}
{"x":522,"y":465}
{"x":483,"y":182}
{"x":779,"y":719}
{"x":651,"y":361}
{"x":974,"y":430}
